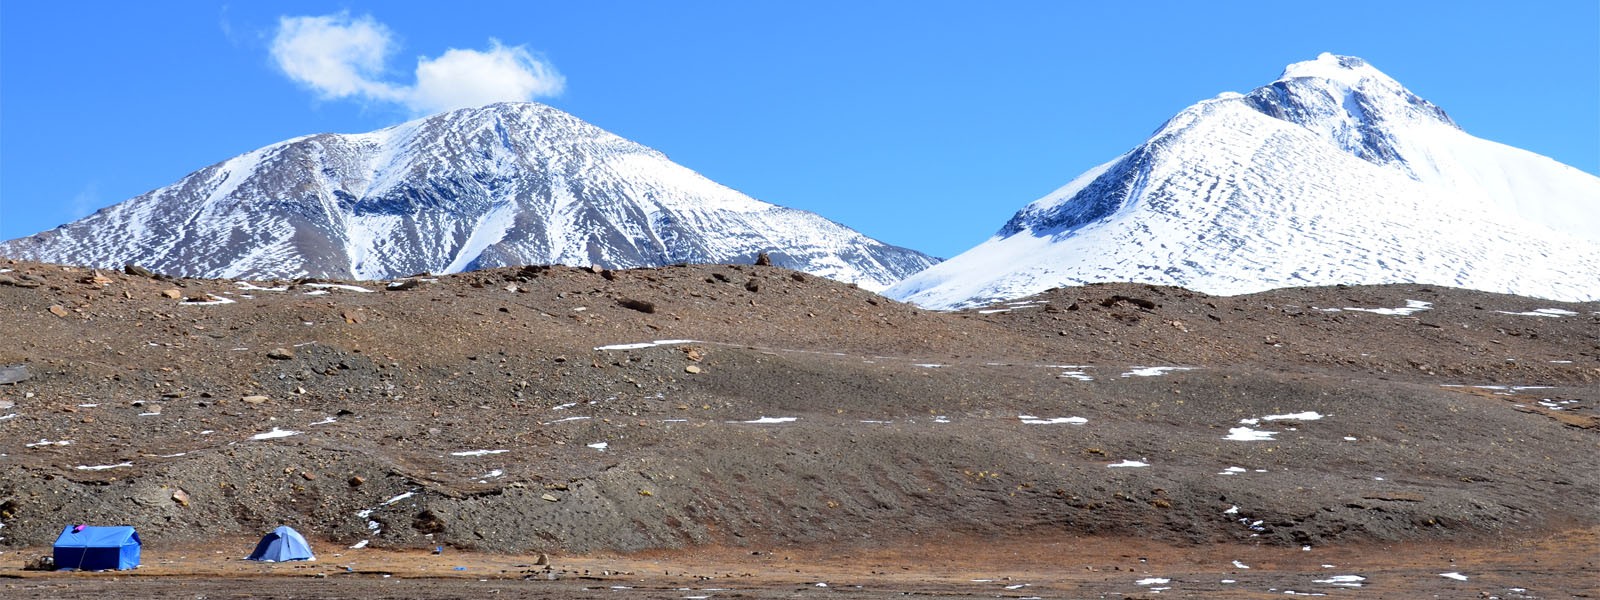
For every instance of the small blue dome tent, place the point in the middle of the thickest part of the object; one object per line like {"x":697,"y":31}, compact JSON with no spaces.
{"x":284,"y":543}
{"x":97,"y":548}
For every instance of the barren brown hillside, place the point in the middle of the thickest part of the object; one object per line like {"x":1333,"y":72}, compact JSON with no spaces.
{"x":665,"y":414}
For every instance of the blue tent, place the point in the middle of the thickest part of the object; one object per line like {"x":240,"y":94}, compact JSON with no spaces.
{"x":97,"y":548}
{"x":284,"y":543}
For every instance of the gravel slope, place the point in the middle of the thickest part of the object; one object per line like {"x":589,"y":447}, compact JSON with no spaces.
{"x":476,"y":411}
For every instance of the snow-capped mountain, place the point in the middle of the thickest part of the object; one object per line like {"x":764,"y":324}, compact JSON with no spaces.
{"x":506,"y":184}
{"x":1334,"y":173}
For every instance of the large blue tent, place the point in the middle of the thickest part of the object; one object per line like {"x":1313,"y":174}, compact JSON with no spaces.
{"x":89,"y":548}
{"x":284,"y":543}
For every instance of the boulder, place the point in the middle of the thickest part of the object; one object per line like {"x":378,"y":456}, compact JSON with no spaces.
{"x":17,"y":282}
{"x":14,"y":374}
{"x":639,"y":305}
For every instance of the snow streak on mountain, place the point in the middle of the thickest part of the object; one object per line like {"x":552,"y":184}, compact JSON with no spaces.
{"x":1333,"y":174}
{"x":506,"y":184}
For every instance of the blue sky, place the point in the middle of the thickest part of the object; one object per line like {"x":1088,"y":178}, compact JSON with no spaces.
{"x":924,"y":124}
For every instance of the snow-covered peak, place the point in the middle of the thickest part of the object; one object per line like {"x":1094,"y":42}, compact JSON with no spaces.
{"x":504,"y":184}
{"x":1352,"y":104}
{"x":1348,"y":70}
{"x":1334,"y":174}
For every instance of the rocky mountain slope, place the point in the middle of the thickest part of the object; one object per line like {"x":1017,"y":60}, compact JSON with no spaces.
{"x":1333,"y":174}
{"x":506,"y":184}
{"x":542,"y":409}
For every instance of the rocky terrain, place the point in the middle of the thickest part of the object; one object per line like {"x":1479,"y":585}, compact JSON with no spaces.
{"x":664,"y":412}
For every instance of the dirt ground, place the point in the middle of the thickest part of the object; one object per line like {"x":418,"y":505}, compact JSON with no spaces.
{"x":670,"y":424}
{"x":1015,"y":567}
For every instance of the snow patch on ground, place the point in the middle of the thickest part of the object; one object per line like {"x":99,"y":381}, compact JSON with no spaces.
{"x":251,"y":287}
{"x":374,"y":526}
{"x":104,"y":467}
{"x":274,"y":434}
{"x":1246,"y":434}
{"x":638,"y":345}
{"x":1412,"y":307}
{"x":1153,"y":371}
{"x":768,"y":420}
{"x":478,"y":452}
{"x":1079,"y":373}
{"x":1299,"y":416}
{"x":214,"y":301}
{"x":1342,"y":580}
{"x":1032,"y":420}
{"x":1541,"y":312}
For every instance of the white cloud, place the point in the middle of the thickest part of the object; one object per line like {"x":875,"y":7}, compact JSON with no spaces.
{"x":461,"y":78}
{"x":335,"y":55}
{"x":338,"y":56}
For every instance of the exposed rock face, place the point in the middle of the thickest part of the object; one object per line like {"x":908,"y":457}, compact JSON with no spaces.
{"x":502,"y":185}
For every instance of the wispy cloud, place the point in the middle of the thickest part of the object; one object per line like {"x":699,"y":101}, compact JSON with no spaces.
{"x":339,"y":56}
{"x":226,"y":25}
{"x":86,"y":201}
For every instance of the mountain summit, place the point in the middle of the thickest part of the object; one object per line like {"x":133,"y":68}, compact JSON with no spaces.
{"x":1333,"y":174}
{"x":506,"y":184}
